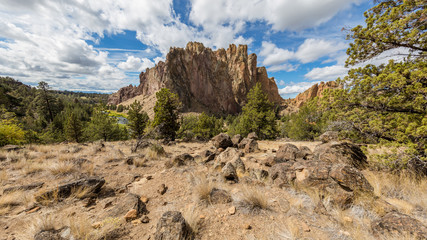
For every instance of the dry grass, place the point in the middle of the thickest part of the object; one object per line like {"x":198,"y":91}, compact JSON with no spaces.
{"x":14,"y":156}
{"x":38,"y":224}
{"x":88,"y":168}
{"x":404,"y":187}
{"x":47,"y":199}
{"x":139,"y":162}
{"x":202,"y":188}
{"x":3,"y":176}
{"x":81,"y":228}
{"x":80,"y":192}
{"x":12,"y":199}
{"x":62,"y":168}
{"x":254,"y":199}
{"x":155,"y":152}
{"x":192,"y":216}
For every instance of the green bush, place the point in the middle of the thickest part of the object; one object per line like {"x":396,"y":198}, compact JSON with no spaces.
{"x":11,"y":132}
{"x":166,"y":113}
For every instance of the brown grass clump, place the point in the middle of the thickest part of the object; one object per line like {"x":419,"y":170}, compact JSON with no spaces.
{"x":139,"y":162}
{"x":12,"y":199}
{"x":202,"y":188}
{"x":254,"y":199}
{"x":3,"y":176}
{"x":192,"y":216}
{"x":155,"y":151}
{"x":62,"y":168}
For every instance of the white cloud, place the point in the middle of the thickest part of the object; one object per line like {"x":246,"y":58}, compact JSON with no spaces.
{"x":313,"y":49}
{"x":135,"y":64}
{"x":327,"y":73}
{"x":295,"y":88}
{"x":281,"y":14}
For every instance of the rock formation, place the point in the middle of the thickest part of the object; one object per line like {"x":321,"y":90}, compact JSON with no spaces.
{"x":205,"y":80}
{"x":293,"y":105}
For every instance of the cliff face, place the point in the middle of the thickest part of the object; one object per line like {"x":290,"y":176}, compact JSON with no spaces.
{"x":205,"y":80}
{"x":293,"y":105}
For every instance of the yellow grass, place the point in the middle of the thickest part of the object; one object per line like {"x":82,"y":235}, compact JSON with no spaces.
{"x":3,"y":176}
{"x":62,"y":168}
{"x":254,"y":198}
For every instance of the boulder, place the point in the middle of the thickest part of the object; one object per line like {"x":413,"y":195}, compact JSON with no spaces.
{"x":222,"y":140}
{"x":253,"y":136}
{"x":304,"y":153}
{"x":251,"y":146}
{"x":340,"y":182}
{"x":182,"y":159}
{"x":341,"y":152}
{"x":172,"y":226}
{"x":90,"y":185}
{"x":328,"y":136}
{"x":243,"y":143}
{"x":239,"y":165}
{"x":399,"y":223}
{"x":219,"y":196}
{"x":229,"y":172}
{"x":287,"y":152}
{"x":126,"y":204}
{"x":236,"y":139}
{"x":230,"y":154}
{"x":53,"y":234}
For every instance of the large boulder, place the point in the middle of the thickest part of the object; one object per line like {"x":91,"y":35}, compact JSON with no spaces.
{"x":222,"y":140}
{"x":229,"y":173}
{"x":396,"y":223}
{"x":127,"y":203}
{"x":253,"y":136}
{"x":219,"y":196}
{"x":182,"y":159}
{"x":230,"y":154}
{"x":251,"y":146}
{"x":236,"y":139}
{"x":172,"y":226}
{"x":287,"y":152}
{"x":340,"y":182}
{"x":341,"y":152}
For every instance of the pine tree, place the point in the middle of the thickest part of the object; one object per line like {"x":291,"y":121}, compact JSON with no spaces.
{"x":166,"y":113}
{"x":73,"y":127}
{"x":138,"y":119}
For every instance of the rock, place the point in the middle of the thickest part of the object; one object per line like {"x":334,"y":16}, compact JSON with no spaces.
{"x":206,"y":153}
{"x":287,"y":152}
{"x":350,"y":178}
{"x":162,"y":189}
{"x":229,"y":172}
{"x":399,"y":223}
{"x":182,"y":159}
{"x":91,"y":185}
{"x":131,"y":215}
{"x":10,"y":148}
{"x":247,"y":226}
{"x":232,"y":210}
{"x":304,"y":153}
{"x":222,"y":140}
{"x":145,"y":219}
{"x":126,"y":204}
{"x":251,"y":146}
{"x":228,"y":155}
{"x":258,"y":174}
{"x":340,"y":182}
{"x":33,"y":210}
{"x":136,"y":222}
{"x":243,"y":143}
{"x":252,"y":136}
{"x":204,"y":80}
{"x":341,"y":152}
{"x":172,"y":226}
{"x":23,"y":187}
{"x":219,"y":196}
{"x":53,"y":234}
{"x":236,"y":139}
{"x":328,"y":136}
{"x":144,"y":200}
{"x":97,"y":225}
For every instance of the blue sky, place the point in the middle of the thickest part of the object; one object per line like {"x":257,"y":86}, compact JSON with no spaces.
{"x":100,"y":46}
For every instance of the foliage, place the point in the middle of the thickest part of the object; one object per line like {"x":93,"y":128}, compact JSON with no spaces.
{"x":166,"y":113}
{"x":202,"y":127}
{"x":386,"y":103}
{"x":258,"y":116}
{"x":187,"y":126}
{"x":73,"y":127}
{"x":105,"y":127}
{"x":389,"y":25}
{"x":138,"y":119}
{"x":120,"y":108}
{"x":11,"y":132}
{"x":306,"y":124}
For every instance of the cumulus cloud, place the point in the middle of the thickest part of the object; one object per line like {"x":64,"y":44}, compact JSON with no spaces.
{"x":292,"y":89}
{"x":327,"y":73}
{"x":135,"y":64}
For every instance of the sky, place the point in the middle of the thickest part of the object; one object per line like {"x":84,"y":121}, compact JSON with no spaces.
{"x":103,"y":45}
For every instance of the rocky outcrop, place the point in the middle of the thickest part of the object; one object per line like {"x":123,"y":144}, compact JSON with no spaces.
{"x":205,"y":80}
{"x":317,"y":90}
{"x":398,"y":223}
{"x":171,"y":226}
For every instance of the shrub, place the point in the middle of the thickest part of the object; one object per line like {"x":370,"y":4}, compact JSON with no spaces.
{"x":166,"y":113}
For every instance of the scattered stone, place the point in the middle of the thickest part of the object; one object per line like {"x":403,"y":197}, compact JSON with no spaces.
{"x":162,"y":189}
{"x":236,"y":139}
{"x":149,"y":177}
{"x":230,"y":154}
{"x":287,"y":152}
{"x":247,"y":226}
{"x":253,"y":136}
{"x":53,"y":234}
{"x":232,"y":210}
{"x":130,"y":160}
{"x":304,"y":153}
{"x":136,"y":222}
{"x":229,"y":172}
{"x":126,"y":204}
{"x":23,"y":187}
{"x":108,"y":204}
{"x":131,"y":215}
{"x":341,"y":152}
{"x":222,"y":140}
{"x":144,"y":200}
{"x":172,"y":226}
{"x":399,"y":223}
{"x":97,"y":225}
{"x":90,"y":185}
{"x":90,"y":202}
{"x":145,"y":219}
{"x":329,"y":136}
{"x":251,"y":146}
{"x":243,"y":143}
{"x":239,"y":165}
{"x":219,"y":196}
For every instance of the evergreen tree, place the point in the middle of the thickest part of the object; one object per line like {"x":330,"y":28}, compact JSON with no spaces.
{"x":47,"y":98}
{"x":387,"y":103}
{"x":166,"y":113}
{"x":73,"y":127}
{"x":138,"y":119}
{"x":208,"y":126}
{"x":258,"y":115}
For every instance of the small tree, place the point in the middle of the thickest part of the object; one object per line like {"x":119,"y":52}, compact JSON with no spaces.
{"x":137,"y":119}
{"x":73,"y":127}
{"x":166,"y":113}
{"x":258,"y":115}
{"x":208,"y":126}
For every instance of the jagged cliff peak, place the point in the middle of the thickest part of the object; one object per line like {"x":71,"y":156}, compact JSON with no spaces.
{"x":205,"y":80}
